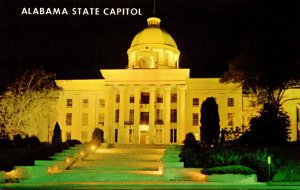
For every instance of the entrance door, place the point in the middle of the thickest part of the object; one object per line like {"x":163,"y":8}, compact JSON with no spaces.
{"x":158,"y":136}
{"x":143,"y":137}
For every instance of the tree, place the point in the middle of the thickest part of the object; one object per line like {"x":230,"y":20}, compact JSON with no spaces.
{"x":271,"y":127}
{"x":266,"y":68}
{"x":210,"y":128}
{"x":56,"y":139}
{"x":29,"y":103}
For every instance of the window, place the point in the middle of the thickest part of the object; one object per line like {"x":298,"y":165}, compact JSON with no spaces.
{"x":117,"y":115}
{"x":68,"y":135}
{"x":159,"y":114}
{"x":145,"y":98}
{"x":69,"y":119}
{"x":173,"y":98}
{"x":85,"y":103}
{"x":116,"y":135}
{"x":84,"y":136}
{"x":159,"y":99}
{"x":230,"y":119}
{"x":101,"y":103}
{"x":144,"y":118}
{"x":131,"y":116}
{"x":173,"y":135}
{"x":117,"y":98}
{"x":195,"y":119}
{"x":195,"y":101}
{"x":101,"y":118}
{"x":85,"y":117}
{"x":167,"y":58}
{"x":69,"y":103}
{"x":131,"y":99}
{"x":230,"y":102}
{"x":173,"y":115}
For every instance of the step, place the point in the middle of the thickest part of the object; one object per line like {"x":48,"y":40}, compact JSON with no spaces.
{"x":128,"y":165}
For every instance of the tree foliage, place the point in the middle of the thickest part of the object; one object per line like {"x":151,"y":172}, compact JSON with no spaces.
{"x":210,"y":127}
{"x":265,"y":68}
{"x":29,"y":102}
{"x":270,"y":127}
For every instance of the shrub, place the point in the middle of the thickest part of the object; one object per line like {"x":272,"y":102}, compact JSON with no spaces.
{"x":73,"y":142}
{"x":258,"y":162}
{"x":6,"y":143}
{"x":188,"y":153}
{"x":210,"y":127}
{"x":18,"y":140}
{"x":232,"y":169}
{"x":6,"y":163}
{"x":223,"y":157}
{"x":56,"y":139}
{"x":97,"y":136}
{"x":31,"y":141}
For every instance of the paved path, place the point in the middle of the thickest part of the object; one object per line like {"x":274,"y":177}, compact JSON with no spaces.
{"x":126,"y":167}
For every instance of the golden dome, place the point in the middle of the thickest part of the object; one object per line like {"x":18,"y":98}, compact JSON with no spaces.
{"x":153,"y":34}
{"x":152,"y":48}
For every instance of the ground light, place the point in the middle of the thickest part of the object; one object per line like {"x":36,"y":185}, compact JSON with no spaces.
{"x":68,"y":160}
{"x":269,"y":168}
{"x":93,"y":147}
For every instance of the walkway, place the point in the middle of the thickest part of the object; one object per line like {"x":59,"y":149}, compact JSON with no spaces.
{"x":129,"y":167}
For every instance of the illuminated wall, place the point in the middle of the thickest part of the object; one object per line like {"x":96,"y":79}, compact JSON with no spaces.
{"x":153,"y":101}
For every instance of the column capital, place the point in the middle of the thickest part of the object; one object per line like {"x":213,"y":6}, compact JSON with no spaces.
{"x":136,"y":89}
{"x":167,"y":88}
{"x":107,"y":88}
{"x":182,"y":87}
{"x":152,"y":88}
{"x":122,"y":88}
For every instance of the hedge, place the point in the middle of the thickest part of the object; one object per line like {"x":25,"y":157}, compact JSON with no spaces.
{"x":232,"y":169}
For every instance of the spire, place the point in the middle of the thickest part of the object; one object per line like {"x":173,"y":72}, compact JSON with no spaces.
{"x":153,"y":22}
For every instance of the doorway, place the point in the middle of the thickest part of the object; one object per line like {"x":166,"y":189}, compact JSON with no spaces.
{"x":144,"y":134}
{"x":158,"y":136}
{"x":143,"y":137}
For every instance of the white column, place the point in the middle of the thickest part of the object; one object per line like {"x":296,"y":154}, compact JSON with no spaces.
{"x":122,"y":111}
{"x":151,"y":114}
{"x":167,"y":107}
{"x":108,"y":119}
{"x":181,"y":109}
{"x":136,"y":131}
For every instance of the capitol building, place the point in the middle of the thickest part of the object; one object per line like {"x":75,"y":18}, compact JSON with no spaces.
{"x":153,"y":100}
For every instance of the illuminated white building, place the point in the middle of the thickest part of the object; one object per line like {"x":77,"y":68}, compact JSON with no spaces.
{"x":153,"y":100}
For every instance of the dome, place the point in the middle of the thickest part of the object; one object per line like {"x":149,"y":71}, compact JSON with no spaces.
{"x":153,"y":34}
{"x":153,"y":48}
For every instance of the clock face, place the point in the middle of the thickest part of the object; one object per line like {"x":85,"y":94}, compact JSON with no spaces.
{"x":146,"y":62}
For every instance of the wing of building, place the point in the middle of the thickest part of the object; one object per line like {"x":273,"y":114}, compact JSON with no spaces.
{"x":153,"y":100}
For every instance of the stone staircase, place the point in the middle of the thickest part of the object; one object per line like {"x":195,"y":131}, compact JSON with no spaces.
{"x":119,"y":163}
{"x":126,"y":158}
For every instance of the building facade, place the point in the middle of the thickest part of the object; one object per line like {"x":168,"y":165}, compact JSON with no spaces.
{"x":153,"y":100}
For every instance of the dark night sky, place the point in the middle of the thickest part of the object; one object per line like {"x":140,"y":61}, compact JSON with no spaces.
{"x":208,"y":33}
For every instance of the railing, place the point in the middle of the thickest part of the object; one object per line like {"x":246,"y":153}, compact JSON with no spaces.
{"x":144,"y":122}
{"x":144,"y":105}
{"x":159,"y":122}
{"x":128,"y":122}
